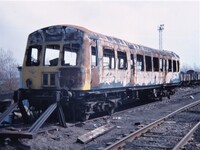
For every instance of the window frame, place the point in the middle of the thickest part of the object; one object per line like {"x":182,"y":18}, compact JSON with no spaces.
{"x":55,"y":60}
{"x":178,"y":65}
{"x":174,"y":66}
{"x":132,"y":63}
{"x":110,"y":55}
{"x":94,"y":53}
{"x":70,"y":49}
{"x":169,"y":65}
{"x":29,"y":59}
{"x":156,"y":64}
{"x":140,"y":57}
{"x":148,"y":63}
{"x":122,"y":56}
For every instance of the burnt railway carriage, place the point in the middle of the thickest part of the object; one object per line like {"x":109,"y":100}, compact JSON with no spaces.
{"x":190,"y":77}
{"x":89,"y":72}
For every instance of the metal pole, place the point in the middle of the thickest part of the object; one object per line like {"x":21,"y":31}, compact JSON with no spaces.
{"x":160,"y":28}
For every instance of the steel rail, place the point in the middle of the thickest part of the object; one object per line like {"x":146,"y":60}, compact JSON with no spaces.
{"x":130,"y":137}
{"x":186,"y":138}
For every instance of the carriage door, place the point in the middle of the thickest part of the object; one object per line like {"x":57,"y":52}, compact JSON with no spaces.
{"x":132,"y":69}
{"x":162,"y":67}
{"x":94,"y":67}
{"x":165,"y":70}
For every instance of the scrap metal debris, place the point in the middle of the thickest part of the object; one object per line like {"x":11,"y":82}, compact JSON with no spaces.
{"x":94,"y":133}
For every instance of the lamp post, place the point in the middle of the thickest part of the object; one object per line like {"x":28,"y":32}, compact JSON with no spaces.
{"x":160,"y":28}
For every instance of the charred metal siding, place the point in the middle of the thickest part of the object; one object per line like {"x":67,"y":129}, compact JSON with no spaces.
{"x":83,"y":76}
{"x":113,"y":78}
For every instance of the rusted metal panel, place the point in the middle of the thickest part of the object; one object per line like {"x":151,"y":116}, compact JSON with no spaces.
{"x":72,"y":77}
{"x":94,"y":77}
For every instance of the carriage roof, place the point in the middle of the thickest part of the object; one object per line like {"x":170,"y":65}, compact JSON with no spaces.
{"x":113,"y":40}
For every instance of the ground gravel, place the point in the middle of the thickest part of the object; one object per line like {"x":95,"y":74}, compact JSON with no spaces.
{"x":124,"y":122}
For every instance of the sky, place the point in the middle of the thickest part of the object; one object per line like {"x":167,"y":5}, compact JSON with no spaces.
{"x":133,"y":21}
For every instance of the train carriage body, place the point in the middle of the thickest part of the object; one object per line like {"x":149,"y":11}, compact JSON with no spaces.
{"x":77,"y":59}
{"x":189,"y":77}
{"x":94,"y":69}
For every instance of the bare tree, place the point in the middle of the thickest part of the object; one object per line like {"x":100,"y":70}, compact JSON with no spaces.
{"x":186,"y":67}
{"x":8,"y":72}
{"x":196,"y":67}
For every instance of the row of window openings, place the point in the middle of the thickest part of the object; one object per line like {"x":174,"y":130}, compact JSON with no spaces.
{"x":70,"y":57}
{"x":51,"y":56}
{"x":158,"y":64}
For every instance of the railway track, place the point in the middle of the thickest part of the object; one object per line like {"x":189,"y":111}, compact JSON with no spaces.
{"x":124,"y":121}
{"x":164,"y":133}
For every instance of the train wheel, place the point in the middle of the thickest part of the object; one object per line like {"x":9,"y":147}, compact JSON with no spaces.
{"x":110,"y":108}
{"x":85,"y":117}
{"x":111,"y":111}
{"x":160,"y":98}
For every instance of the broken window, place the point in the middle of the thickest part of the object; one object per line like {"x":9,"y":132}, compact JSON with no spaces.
{"x":178,"y":66}
{"x":70,"y":52}
{"x":155,"y":64}
{"x":140,"y":63}
{"x":33,"y":56}
{"x":132,"y":61}
{"x":94,"y":56}
{"x":174,"y":66}
{"x":170,"y":65}
{"x":108,"y":59}
{"x":148,"y":63}
{"x":122,"y":60}
{"x":51,"y":55}
{"x":164,"y":64}
{"x":161,"y":64}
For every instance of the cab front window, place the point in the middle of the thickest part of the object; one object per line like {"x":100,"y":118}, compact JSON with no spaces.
{"x":33,"y":55}
{"x":51,"y":55}
{"x":70,"y":52}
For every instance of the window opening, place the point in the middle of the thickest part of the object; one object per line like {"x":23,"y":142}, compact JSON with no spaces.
{"x":108,"y":59}
{"x":161,"y":65}
{"x":33,"y":56}
{"x":178,"y":66}
{"x":122,"y":60}
{"x":174,"y":66}
{"x":155,"y":64}
{"x":164,"y":64}
{"x":148,"y":63}
{"x":94,"y":57}
{"x":52,"y":55}
{"x":140,"y":63}
{"x":70,"y":54}
{"x":132,"y":61}
{"x":170,"y":65}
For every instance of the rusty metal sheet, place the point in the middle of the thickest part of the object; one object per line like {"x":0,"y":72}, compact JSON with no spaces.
{"x":94,"y":133}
